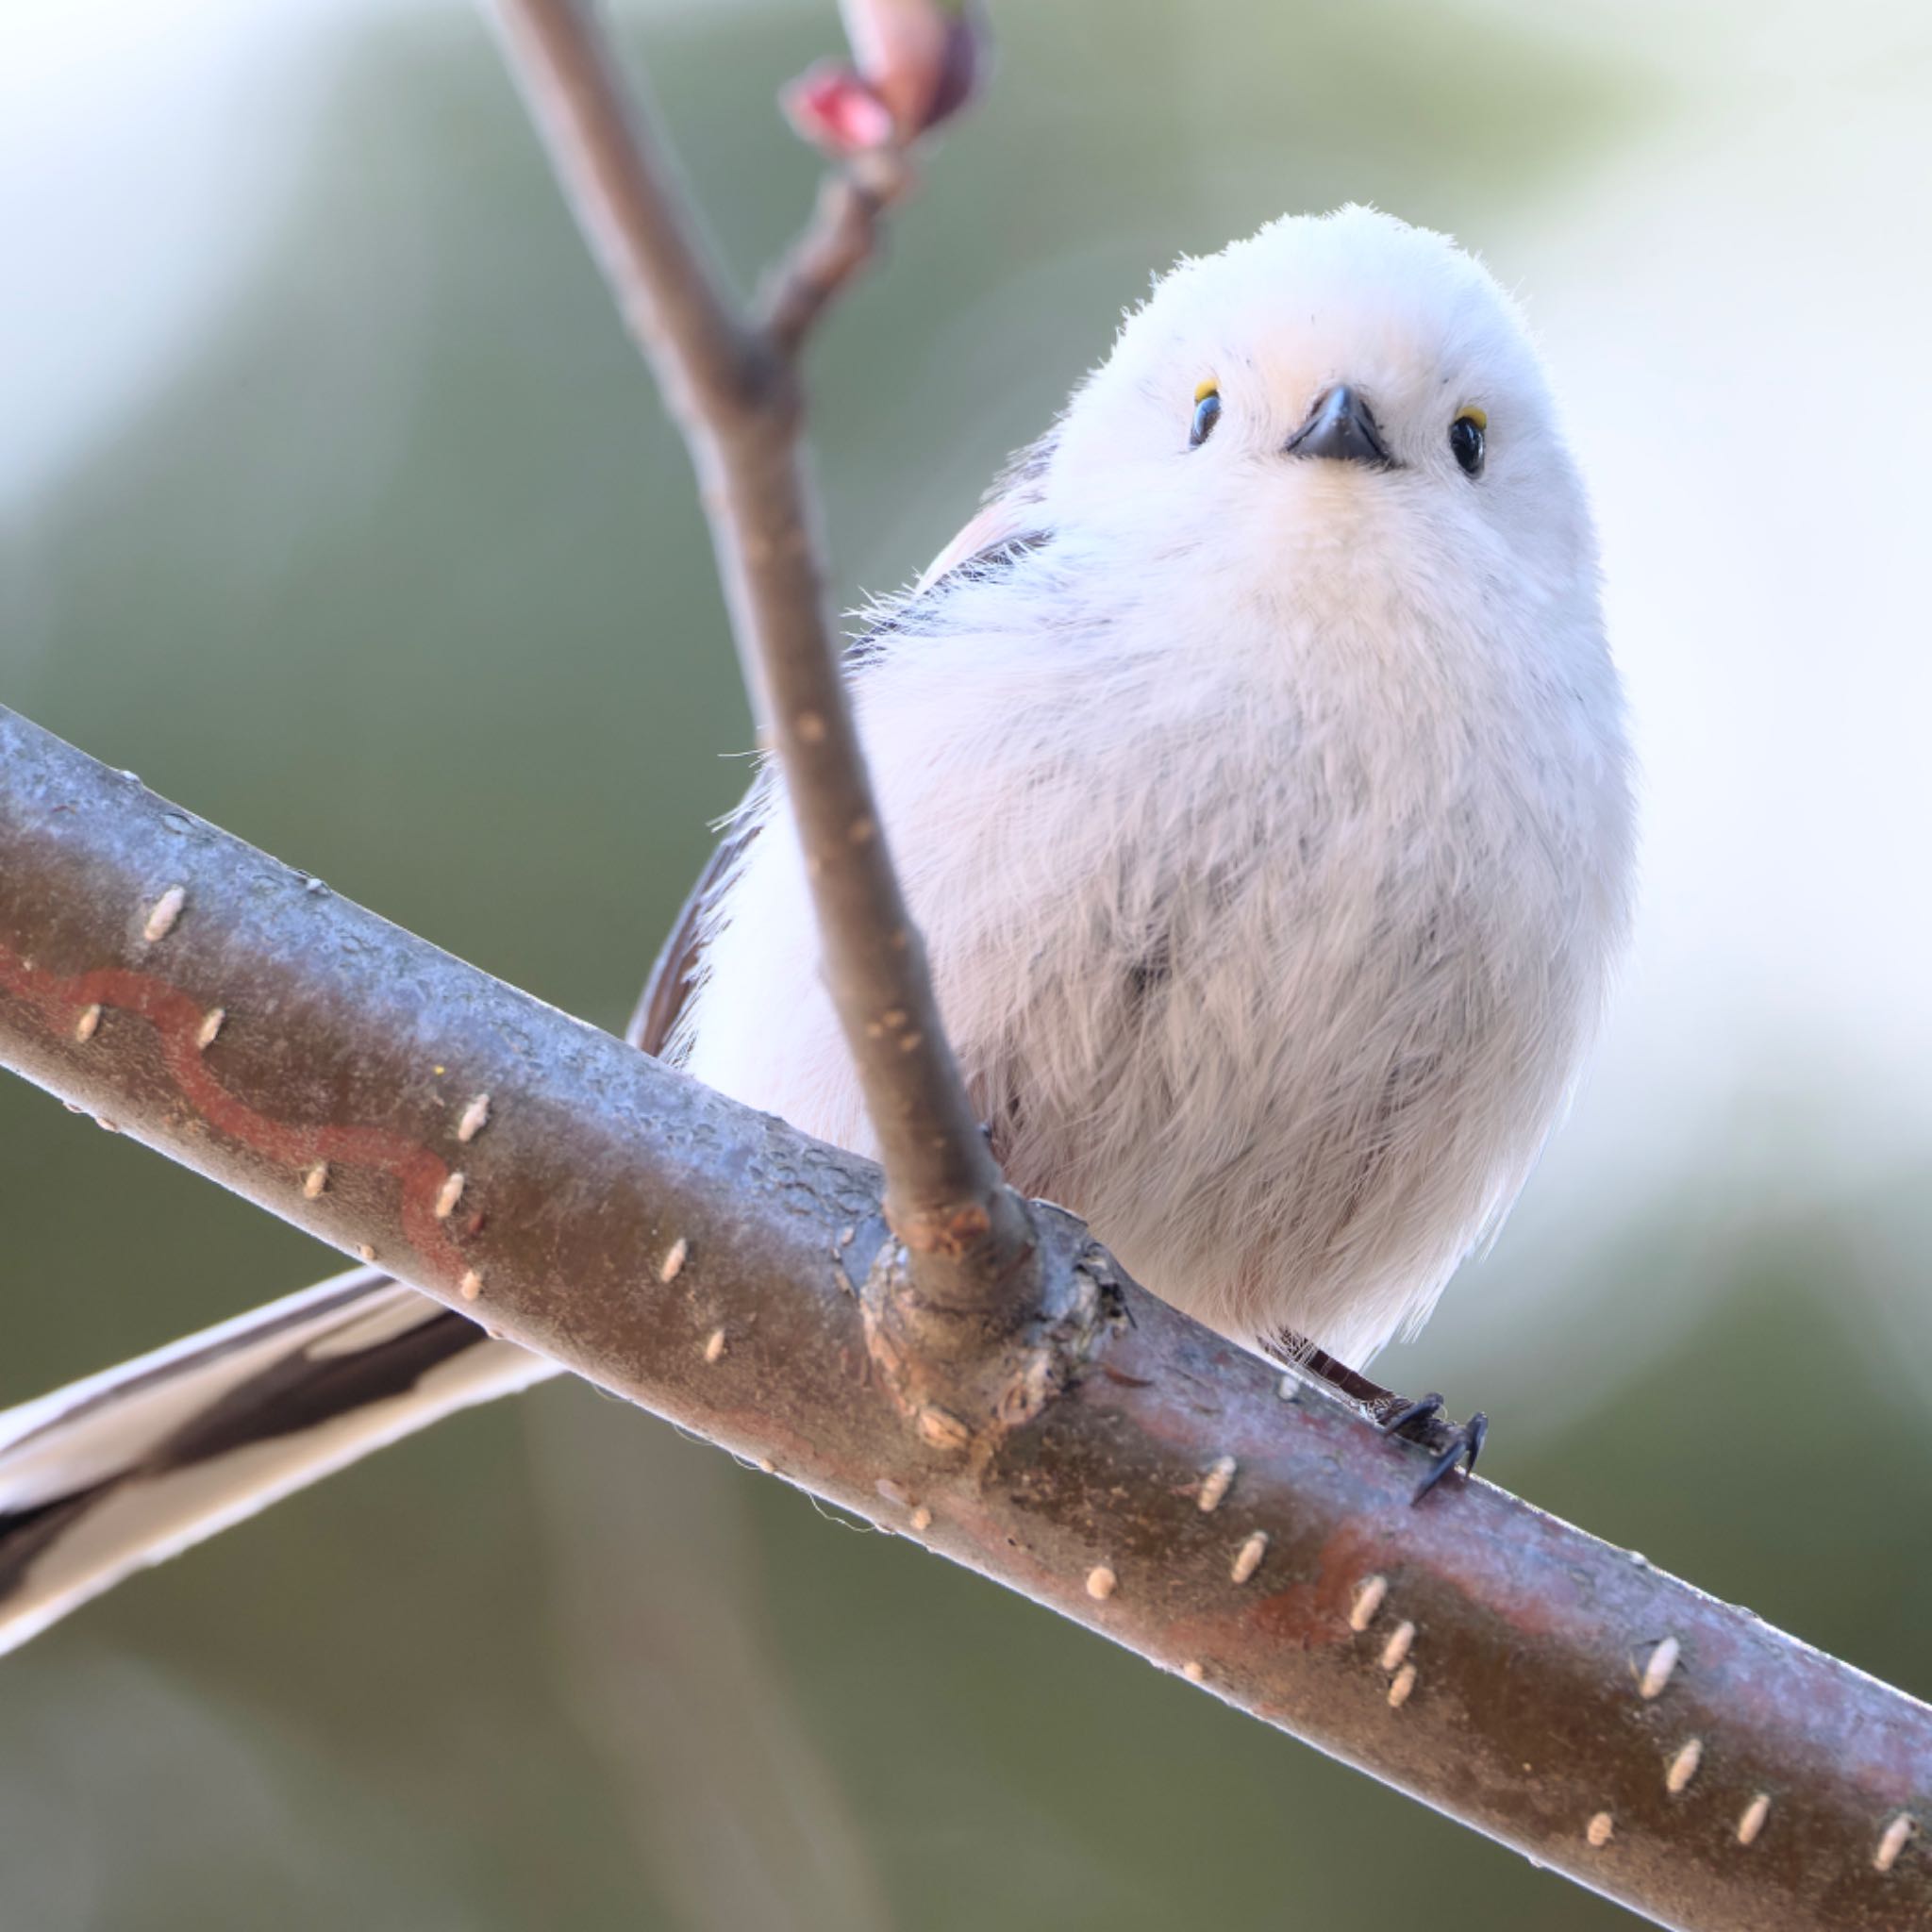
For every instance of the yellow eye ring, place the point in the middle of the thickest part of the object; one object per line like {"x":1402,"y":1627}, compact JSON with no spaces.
{"x":1207,"y":413}
{"x":1468,"y":442}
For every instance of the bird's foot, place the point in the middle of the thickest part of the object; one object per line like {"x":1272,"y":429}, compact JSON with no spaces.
{"x":1423,"y":1421}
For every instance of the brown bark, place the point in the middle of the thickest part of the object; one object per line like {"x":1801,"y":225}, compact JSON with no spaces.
{"x":1127,"y":1467}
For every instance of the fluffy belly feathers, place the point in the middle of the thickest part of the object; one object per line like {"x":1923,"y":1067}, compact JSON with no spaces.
{"x":1290,"y":1076}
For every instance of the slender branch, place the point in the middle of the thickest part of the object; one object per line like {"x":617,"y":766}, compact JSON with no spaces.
{"x":1146,"y":1477}
{"x":840,"y":240}
{"x":735,"y":397}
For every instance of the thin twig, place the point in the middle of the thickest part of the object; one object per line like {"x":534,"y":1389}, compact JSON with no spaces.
{"x":840,"y":240}
{"x":1505,"y":1669}
{"x":733,"y":391}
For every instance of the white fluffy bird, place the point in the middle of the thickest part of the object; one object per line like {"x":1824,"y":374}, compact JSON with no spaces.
{"x":1254,"y":766}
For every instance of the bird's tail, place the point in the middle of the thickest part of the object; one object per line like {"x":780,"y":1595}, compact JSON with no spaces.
{"x":128,"y":1467}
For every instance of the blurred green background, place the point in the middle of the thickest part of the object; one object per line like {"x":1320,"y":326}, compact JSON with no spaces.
{"x":333,"y":501}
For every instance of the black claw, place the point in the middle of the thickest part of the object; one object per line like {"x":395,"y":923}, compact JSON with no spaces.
{"x":1422,"y":1422}
{"x":1423,"y":1409}
{"x":1465,"y":1445}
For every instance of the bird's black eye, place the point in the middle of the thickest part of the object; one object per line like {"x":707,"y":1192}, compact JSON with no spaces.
{"x":1206,"y":414}
{"x":1467,"y":442}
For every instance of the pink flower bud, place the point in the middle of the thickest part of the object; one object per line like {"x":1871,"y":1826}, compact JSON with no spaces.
{"x":833,"y":108}
{"x":915,"y":62}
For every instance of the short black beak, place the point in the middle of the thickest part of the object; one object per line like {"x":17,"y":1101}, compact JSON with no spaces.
{"x":1340,"y":425}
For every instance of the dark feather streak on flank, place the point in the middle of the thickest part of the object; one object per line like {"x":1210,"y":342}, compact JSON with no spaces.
{"x":904,"y":619}
{"x":674,"y":972}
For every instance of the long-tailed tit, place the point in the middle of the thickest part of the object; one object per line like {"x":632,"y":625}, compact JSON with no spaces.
{"x":1254,"y":766}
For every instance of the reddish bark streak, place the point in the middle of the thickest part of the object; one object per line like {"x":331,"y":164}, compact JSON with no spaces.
{"x":176,"y":1017}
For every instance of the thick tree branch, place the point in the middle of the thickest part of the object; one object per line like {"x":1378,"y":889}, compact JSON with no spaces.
{"x":1143,"y":1476}
{"x":733,"y":392}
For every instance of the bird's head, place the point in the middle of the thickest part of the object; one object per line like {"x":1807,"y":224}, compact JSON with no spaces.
{"x":1341,"y":398}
